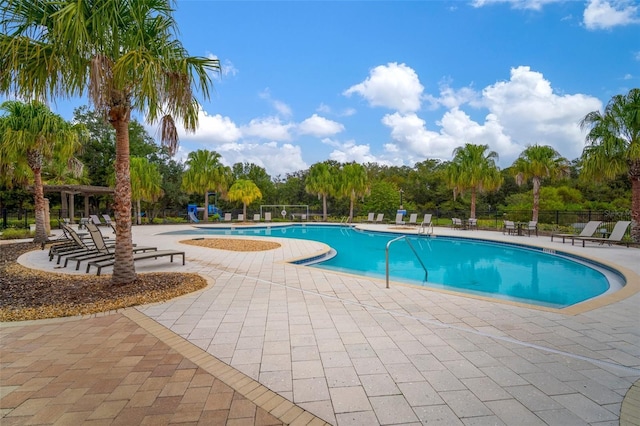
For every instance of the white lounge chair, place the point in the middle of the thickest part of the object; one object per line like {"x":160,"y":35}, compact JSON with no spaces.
{"x":227,"y":217}
{"x":399,"y":220}
{"x":267,"y":217}
{"x":413,"y":219}
{"x":426,"y":224}
{"x":371,"y":217}
{"x":256,"y":217}
{"x":589,"y":229}
{"x":240,"y":217}
{"x":619,"y":229}
{"x":379,"y":218}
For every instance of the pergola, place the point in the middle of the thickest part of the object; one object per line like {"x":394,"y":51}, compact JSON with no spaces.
{"x":68,"y":192}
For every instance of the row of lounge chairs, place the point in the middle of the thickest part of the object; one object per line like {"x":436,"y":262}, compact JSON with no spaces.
{"x":593,"y":227}
{"x":98,"y":251}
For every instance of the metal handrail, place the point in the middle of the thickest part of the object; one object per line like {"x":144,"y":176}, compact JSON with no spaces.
{"x":426,"y":273}
{"x":424,"y":229}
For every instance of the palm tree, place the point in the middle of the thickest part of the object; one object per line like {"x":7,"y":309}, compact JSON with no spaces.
{"x":31,"y":133}
{"x":146,"y":183}
{"x":320,"y":181}
{"x":473,"y":169}
{"x":613,"y":147}
{"x":537,"y":162}
{"x":352,"y":183}
{"x":205,"y":173}
{"x":125,"y":56}
{"x":246,"y":191}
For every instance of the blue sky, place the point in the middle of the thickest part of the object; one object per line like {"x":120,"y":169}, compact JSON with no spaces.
{"x":398,"y":82}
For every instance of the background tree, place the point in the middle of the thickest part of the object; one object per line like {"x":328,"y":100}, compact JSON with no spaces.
{"x":352,"y":184}
{"x":473,"y":169}
{"x":259,"y":176}
{"x":205,"y":173}
{"x":125,"y":56}
{"x":321,"y":182}
{"x":146,"y":183}
{"x":613,"y":147}
{"x":537,"y":162}
{"x":245,"y":191}
{"x":31,"y":133}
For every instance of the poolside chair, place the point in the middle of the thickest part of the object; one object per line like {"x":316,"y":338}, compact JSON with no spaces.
{"x":619,"y":229}
{"x":456,"y":222}
{"x":399,"y":220}
{"x":107,"y":219}
{"x":80,"y":246}
{"x":227,"y":217}
{"x":95,"y":219}
{"x":101,"y":250}
{"x":240,"y":217}
{"x":589,"y":229}
{"x":267,"y":217}
{"x":509,"y":227}
{"x":99,"y":264}
{"x":413,"y":219}
{"x":472,"y":223}
{"x":256,"y":217}
{"x":379,"y":218}
{"x":532,"y":226}
{"x":371,"y":217}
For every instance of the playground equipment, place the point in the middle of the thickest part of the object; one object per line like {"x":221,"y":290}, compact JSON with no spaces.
{"x":193,"y":210}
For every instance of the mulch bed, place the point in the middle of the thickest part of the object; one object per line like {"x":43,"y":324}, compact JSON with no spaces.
{"x":27,"y":294}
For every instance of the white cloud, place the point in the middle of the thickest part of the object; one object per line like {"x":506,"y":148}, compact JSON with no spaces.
{"x":227,"y":69}
{"x":411,"y":136}
{"x":276,"y":159}
{"x":516,"y":4}
{"x":268,"y":128}
{"x":604,"y":14}
{"x":212,"y":128}
{"x":319,"y":126}
{"x":282,"y":108}
{"x":394,"y":86}
{"x":346,"y":152}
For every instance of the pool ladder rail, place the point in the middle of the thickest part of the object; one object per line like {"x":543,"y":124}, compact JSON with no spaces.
{"x":404,"y":237}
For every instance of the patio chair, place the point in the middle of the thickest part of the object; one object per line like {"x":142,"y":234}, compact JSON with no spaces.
{"x":532,"y":226}
{"x":240,"y":217}
{"x":399,"y":220}
{"x":456,"y":222}
{"x":267,"y":217}
{"x":256,"y":217}
{"x":379,"y":218}
{"x":80,"y":246}
{"x":589,"y":229}
{"x":413,"y":219}
{"x":99,"y":264}
{"x":227,"y":217}
{"x":101,"y":250}
{"x":472,"y":224}
{"x":619,"y":229}
{"x":509,"y":227}
{"x":371,"y":217}
{"x":107,"y":219}
{"x":95,"y":219}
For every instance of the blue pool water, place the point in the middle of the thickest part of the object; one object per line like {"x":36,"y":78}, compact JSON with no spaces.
{"x":473,"y":266}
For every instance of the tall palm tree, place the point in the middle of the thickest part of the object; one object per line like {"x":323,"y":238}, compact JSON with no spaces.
{"x":125,"y":56}
{"x":537,"y":162}
{"x":352,"y":183}
{"x":613,"y":147}
{"x":205,"y":173}
{"x":473,"y":169}
{"x":146,"y":183}
{"x":321,"y":181}
{"x":246,"y":191}
{"x":31,"y":133}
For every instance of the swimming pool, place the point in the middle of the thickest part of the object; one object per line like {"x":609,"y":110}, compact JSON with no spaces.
{"x":498,"y":270}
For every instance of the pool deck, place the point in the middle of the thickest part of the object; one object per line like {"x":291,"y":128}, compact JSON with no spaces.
{"x":269,"y":342}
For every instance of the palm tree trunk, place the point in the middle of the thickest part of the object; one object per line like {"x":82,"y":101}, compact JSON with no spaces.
{"x":205,"y":215}
{"x":473,"y":203}
{"x":536,"y":198}
{"x":353,"y":196}
{"x":41,"y":233}
{"x":324,"y":207}
{"x":123,"y":269}
{"x":138,"y":213}
{"x":634,"y":175}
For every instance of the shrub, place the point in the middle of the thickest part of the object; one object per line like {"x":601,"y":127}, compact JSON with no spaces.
{"x":16,"y":234}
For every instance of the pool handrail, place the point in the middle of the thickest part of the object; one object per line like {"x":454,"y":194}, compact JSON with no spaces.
{"x":426,"y":273}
